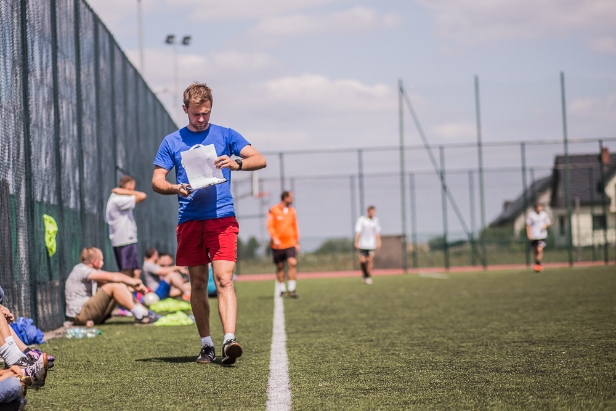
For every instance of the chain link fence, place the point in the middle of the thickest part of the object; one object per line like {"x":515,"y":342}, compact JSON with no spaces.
{"x":75,"y":116}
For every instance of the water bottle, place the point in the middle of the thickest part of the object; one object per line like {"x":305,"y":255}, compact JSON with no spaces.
{"x":93,"y":332}
{"x":75,"y":332}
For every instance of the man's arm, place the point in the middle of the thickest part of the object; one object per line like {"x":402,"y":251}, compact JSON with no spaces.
{"x":167,"y":270}
{"x":357,"y":240}
{"x":296,"y":233}
{"x":139,"y":196}
{"x":378,"y":241}
{"x":105,"y":276}
{"x":251,"y":160}
{"x":161,"y":186}
{"x":271,"y":230}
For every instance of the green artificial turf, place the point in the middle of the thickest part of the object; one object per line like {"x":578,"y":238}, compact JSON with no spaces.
{"x":486,"y":340}
{"x":497,"y":340}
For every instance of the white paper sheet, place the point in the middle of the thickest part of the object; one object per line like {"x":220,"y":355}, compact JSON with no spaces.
{"x":199,"y":165}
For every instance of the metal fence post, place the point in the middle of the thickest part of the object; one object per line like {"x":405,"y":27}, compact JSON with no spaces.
{"x":353,"y":215}
{"x":413,"y":219}
{"x":79,"y":119}
{"x":471,"y":191}
{"x":603,"y":205}
{"x":402,"y":183}
{"x":360,"y":177}
{"x":29,"y":192}
{"x":444,"y":198}
{"x":591,"y":191}
{"x":567,"y":175}
{"x":524,"y":196}
{"x":482,"y":203}
{"x":97,"y":96}
{"x":281,"y":157}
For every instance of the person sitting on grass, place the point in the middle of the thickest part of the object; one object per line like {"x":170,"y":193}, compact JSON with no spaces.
{"x":82,"y":305}
{"x":164,"y":281}
{"x":165,"y":260}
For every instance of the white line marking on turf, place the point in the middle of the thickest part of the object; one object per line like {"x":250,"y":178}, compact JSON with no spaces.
{"x":278,"y":385}
{"x":434,"y":275}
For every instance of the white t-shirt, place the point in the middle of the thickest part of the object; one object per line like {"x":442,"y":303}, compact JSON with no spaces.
{"x":536,"y":223}
{"x":150,"y":278}
{"x":119,"y":216}
{"x":367,"y":228}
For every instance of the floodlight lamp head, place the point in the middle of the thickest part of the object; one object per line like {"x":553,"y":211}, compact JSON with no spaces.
{"x":170,"y":39}
{"x":186,"y":40}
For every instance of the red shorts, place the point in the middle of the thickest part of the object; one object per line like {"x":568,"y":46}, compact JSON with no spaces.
{"x":202,"y":241}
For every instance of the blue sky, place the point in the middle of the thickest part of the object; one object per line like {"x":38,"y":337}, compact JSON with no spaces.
{"x":323,"y":73}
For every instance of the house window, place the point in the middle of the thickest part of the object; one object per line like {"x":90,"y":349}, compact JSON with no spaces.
{"x":598,"y":222}
{"x":562,"y":230}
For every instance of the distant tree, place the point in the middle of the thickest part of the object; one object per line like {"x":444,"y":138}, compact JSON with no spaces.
{"x":247,"y":251}
{"x":335,"y":246}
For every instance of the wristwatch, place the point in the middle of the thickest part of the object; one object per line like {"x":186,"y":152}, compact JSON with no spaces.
{"x":239,"y":163}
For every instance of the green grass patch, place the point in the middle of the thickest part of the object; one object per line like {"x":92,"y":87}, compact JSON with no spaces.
{"x":496,"y":340}
{"x":486,"y":340}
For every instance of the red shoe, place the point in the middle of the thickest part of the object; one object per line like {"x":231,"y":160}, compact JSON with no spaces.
{"x":538,"y":268}
{"x":186,"y":297}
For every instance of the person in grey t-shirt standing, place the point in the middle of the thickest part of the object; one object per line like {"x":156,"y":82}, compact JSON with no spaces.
{"x":122,"y":226}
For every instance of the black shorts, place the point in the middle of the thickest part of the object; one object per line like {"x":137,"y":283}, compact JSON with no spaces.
{"x":537,"y":243}
{"x":280,"y":256}
{"x":366,"y":253}
{"x":126,"y":257}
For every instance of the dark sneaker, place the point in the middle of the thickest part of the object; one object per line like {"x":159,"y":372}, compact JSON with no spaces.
{"x":151,"y":318}
{"x":35,"y":354}
{"x":283,"y":294}
{"x":37,"y":372}
{"x":292,"y":294}
{"x":23,"y":362}
{"x":230,"y":351}
{"x":207,"y":355}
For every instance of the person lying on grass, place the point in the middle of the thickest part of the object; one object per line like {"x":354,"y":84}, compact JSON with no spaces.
{"x":164,"y":281}
{"x":82,"y":305}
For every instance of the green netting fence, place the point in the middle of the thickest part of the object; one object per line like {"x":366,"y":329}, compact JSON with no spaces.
{"x":75,"y":116}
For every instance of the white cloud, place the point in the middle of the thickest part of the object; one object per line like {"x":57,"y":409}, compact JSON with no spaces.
{"x":477,"y":22}
{"x":454,"y":131}
{"x":354,"y":20}
{"x":241,"y":9}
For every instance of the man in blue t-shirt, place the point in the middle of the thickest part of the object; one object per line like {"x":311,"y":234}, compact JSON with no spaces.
{"x":207,"y":228}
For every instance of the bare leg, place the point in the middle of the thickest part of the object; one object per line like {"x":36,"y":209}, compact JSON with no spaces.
{"x":199,"y":276}
{"x":5,"y":330}
{"x":19,"y":343}
{"x":227,"y":303}
{"x":121,"y":294}
{"x":363,"y":264}
{"x":280,"y":272}
{"x":539,"y":253}
{"x":292,"y":264}
{"x":369,"y":264}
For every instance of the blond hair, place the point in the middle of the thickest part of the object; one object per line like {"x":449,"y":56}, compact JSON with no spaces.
{"x":90,"y":254}
{"x":197,"y":94}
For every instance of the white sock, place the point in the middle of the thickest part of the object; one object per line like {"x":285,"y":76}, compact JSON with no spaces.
{"x":228,"y":336}
{"x":282,"y":287}
{"x":9,"y":352}
{"x":207,"y":341}
{"x":291,"y":285}
{"x":139,"y":311}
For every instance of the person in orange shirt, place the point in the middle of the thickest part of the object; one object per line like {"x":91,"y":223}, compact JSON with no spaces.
{"x":282,"y":227}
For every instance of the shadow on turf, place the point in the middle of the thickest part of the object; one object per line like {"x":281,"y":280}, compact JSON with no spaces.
{"x":174,"y":360}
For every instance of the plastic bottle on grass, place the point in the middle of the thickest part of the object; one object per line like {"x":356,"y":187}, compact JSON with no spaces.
{"x":75,"y":332}
{"x":93,"y":332}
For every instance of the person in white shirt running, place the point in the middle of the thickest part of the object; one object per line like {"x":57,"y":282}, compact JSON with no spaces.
{"x":367,"y":240}
{"x":537,"y":224}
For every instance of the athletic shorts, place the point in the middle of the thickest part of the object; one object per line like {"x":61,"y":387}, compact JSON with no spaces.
{"x":537,"y":243}
{"x":203,"y":241}
{"x":163,"y":290}
{"x":366,"y":253}
{"x":98,"y":309}
{"x":126,"y":257}
{"x":280,"y":256}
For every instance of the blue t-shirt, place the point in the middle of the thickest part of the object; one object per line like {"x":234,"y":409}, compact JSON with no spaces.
{"x":213,"y":201}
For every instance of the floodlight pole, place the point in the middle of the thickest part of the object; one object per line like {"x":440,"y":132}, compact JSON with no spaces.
{"x":524,"y":197}
{"x":140,"y":22}
{"x":567,"y":175}
{"x":604,"y":201}
{"x":402,"y":184}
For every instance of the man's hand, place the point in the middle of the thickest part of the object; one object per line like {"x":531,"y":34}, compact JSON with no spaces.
{"x":138,"y":286}
{"x":356,"y":245}
{"x":226,"y":162}
{"x":297,"y":247}
{"x":378,"y":245}
{"x":184,"y":191}
{"x":276,"y":242}
{"x":183,"y":270}
{"x":7,"y":314}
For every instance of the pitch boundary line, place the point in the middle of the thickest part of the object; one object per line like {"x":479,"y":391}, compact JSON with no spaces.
{"x":278,"y":385}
